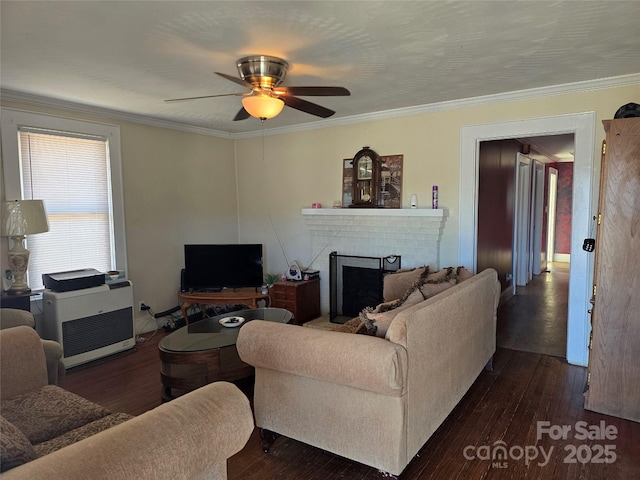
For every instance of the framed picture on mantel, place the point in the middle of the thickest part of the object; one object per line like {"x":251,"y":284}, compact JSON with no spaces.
{"x":390,"y":194}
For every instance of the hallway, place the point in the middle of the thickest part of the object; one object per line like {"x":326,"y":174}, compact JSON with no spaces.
{"x":535,"y":320}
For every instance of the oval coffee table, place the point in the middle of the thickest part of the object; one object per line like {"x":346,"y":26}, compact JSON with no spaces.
{"x":205,"y":351}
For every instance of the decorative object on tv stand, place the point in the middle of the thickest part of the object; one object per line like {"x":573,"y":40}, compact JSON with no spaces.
{"x":434,"y":197}
{"x":269,"y":280}
{"x":295,"y":272}
{"x":20,"y":218}
{"x":366,"y":179}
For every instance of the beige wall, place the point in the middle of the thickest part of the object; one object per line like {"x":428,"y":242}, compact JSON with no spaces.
{"x":178,"y":188}
{"x":300,"y":168}
{"x":181,"y":187}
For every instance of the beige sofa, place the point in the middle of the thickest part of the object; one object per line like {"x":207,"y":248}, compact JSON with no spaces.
{"x":47,"y":432}
{"x":374,"y":400}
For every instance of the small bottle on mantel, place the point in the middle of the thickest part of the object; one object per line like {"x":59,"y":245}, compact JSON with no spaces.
{"x":434,"y":197}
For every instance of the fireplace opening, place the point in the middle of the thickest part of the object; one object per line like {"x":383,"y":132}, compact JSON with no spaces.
{"x":361,"y":287}
{"x":355,"y":282}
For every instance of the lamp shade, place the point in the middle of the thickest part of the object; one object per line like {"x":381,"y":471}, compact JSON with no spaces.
{"x":23,"y":217}
{"x":262,"y":106}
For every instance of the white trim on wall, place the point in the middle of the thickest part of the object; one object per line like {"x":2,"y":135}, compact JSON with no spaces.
{"x":582,"y":125}
{"x":11,"y":120}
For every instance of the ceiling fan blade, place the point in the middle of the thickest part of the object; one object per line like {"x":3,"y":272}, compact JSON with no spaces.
{"x":307,"y":107}
{"x":241,"y":115}
{"x":207,"y":96}
{"x":237,"y":80}
{"x":313,"y":91}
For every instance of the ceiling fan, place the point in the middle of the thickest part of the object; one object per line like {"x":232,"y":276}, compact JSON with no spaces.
{"x":262,"y":75}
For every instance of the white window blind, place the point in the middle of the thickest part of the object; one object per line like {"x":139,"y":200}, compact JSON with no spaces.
{"x":70,"y":173}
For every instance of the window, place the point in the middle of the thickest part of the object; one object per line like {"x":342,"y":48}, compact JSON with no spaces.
{"x":74,"y":167}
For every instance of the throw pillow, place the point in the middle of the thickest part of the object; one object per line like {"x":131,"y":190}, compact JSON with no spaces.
{"x":355,"y":325}
{"x":382,"y":317}
{"x":438,"y":282}
{"x":15,"y":447}
{"x":386,"y":306}
{"x":430,"y":289}
{"x":463,"y":274}
{"x":397,"y":283}
{"x":442,"y":275}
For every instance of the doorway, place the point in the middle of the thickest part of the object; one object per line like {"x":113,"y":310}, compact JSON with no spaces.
{"x":511,"y":192}
{"x":582,"y":126}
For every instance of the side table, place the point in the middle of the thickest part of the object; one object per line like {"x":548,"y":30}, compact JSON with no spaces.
{"x":300,"y":298}
{"x":20,"y":301}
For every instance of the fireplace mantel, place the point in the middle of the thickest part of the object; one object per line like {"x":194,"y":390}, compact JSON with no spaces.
{"x":412,"y":233}
{"x":376,"y":212}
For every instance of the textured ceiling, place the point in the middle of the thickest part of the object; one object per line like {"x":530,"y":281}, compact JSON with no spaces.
{"x":130,"y":56}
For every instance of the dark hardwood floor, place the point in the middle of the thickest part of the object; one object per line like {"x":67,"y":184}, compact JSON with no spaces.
{"x":535,"y":319}
{"x":502,"y":406}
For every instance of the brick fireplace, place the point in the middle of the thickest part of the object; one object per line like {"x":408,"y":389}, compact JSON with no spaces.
{"x":414,"y":234}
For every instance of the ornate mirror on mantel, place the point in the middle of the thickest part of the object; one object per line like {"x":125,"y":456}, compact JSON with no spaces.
{"x":366,"y":179}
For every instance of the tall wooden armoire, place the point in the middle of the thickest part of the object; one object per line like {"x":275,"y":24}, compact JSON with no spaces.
{"x":614,"y":357}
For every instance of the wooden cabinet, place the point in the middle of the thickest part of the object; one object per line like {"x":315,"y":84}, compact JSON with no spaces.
{"x":300,"y":298}
{"x":614,"y":357}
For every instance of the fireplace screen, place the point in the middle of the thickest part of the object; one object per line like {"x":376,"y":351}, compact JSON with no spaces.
{"x":356,"y":282}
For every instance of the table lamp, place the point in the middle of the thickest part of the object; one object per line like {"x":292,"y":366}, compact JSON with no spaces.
{"x":20,"y":218}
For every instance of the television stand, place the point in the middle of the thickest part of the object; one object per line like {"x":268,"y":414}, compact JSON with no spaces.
{"x":248,"y":296}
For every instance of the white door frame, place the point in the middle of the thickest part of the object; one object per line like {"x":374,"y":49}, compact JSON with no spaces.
{"x":538,"y":257}
{"x":582,"y":126}
{"x":522,"y":222}
{"x":551,"y":214}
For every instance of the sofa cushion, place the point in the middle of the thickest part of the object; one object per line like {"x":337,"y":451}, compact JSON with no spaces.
{"x":15,"y":448}
{"x":395,"y":284}
{"x":80,"y":433}
{"x":50,"y":411}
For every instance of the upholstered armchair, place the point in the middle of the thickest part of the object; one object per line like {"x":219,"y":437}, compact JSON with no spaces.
{"x":10,"y":317}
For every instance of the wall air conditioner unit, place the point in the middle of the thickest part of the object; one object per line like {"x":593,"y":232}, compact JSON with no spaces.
{"x":90,"y":323}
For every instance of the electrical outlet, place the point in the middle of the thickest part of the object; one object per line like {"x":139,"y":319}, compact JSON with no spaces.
{"x":142,"y":306}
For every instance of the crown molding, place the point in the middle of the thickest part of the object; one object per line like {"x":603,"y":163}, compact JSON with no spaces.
{"x":519,"y":95}
{"x":39,"y":101}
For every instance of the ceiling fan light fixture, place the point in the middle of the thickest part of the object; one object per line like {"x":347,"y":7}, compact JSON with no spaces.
{"x":262,"y":106}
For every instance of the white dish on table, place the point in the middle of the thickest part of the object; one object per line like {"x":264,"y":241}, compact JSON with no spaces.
{"x":231,"y":322}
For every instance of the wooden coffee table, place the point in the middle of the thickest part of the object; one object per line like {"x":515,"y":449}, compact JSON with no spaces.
{"x":205,"y":351}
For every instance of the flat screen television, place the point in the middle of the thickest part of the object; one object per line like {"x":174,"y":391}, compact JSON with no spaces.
{"x":214,"y":267}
